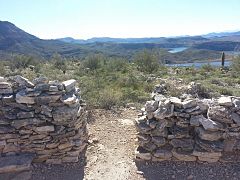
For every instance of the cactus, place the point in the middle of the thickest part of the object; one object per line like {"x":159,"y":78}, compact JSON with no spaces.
{"x":223,"y":59}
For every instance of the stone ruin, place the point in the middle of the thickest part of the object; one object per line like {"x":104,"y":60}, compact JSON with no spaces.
{"x":43,"y":118}
{"x":189,"y":129}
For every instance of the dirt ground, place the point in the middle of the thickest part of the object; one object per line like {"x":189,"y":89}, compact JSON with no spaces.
{"x":110,"y":156}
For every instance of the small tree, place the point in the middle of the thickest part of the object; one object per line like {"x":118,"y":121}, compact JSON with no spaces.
{"x":147,"y":61}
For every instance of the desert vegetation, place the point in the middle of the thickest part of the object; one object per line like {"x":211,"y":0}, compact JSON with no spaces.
{"x":110,"y":81}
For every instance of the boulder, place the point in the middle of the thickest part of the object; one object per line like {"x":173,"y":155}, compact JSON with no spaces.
{"x":22,"y":81}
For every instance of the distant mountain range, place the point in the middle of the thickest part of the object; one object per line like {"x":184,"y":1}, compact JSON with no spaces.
{"x":224,"y":36}
{"x":13,"y":40}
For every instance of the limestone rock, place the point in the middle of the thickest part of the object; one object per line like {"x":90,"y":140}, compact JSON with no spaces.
{"x":183,"y":155}
{"x":184,"y":143}
{"x":69,"y":85}
{"x":163,"y":154}
{"x":176,"y":101}
{"x":22,"y":81}
{"x":151,"y":106}
{"x":23,"y":115}
{"x":21,"y":97}
{"x":45,"y":129}
{"x":225,"y":101}
{"x":189,"y":103}
{"x":159,"y":141}
{"x":208,"y":135}
{"x":220,"y":114}
{"x":236,"y":118}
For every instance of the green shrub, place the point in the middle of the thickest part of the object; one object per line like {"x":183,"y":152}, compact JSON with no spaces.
{"x":147,"y":61}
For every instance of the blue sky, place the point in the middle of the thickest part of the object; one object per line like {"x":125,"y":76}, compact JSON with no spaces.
{"x":121,"y":18}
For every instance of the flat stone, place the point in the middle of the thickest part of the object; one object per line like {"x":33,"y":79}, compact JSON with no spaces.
{"x":225,"y":101}
{"x":23,"y":115}
{"x":6,"y":91}
{"x":41,"y":87}
{"x":165,"y":110}
{"x":54,"y":161}
{"x":159,"y":141}
{"x":15,"y":163}
{"x":195,"y":120}
{"x":24,"y":122}
{"x":151,"y":106}
{"x":210,"y":146}
{"x":209,"y":124}
{"x":189,"y":103}
{"x":21,"y":97}
{"x":236,"y":103}
{"x":220,"y":114}
{"x":40,"y":80}
{"x":4,"y":85}
{"x":208,"y":135}
{"x":4,"y":129}
{"x":163,"y":154}
{"x":236,"y":118}
{"x":209,"y":160}
{"x":22,"y":81}
{"x":45,"y":129}
{"x":2,"y":79}
{"x":69,"y":85}
{"x":143,"y":154}
{"x":70,"y":159}
{"x":183,"y":155}
{"x":53,"y":88}
{"x":202,"y":153}
{"x":69,"y":99}
{"x":184,"y":143}
{"x":44,"y":99}
{"x":176,"y":101}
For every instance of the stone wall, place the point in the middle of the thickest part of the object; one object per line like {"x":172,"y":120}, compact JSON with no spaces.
{"x":42,"y":117}
{"x":189,"y":129}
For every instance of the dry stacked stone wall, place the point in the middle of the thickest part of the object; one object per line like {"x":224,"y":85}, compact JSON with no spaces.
{"x":189,"y":129}
{"x":42,"y":117}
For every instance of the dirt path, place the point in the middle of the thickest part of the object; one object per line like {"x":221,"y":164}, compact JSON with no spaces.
{"x":111,"y":152}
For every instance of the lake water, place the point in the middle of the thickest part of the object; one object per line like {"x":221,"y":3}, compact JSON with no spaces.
{"x":176,"y":50}
{"x":200,"y":64}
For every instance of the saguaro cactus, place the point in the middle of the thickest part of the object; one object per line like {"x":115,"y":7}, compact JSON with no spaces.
{"x":223,"y":59}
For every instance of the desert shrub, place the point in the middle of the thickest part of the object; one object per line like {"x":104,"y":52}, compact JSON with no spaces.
{"x":147,"y":61}
{"x":93,"y":61}
{"x":236,"y":65}
{"x":21,"y":62}
{"x":108,"y":98}
{"x":59,"y":63}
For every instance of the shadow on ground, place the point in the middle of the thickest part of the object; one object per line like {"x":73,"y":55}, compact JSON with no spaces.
{"x":71,"y":171}
{"x":189,"y":170}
